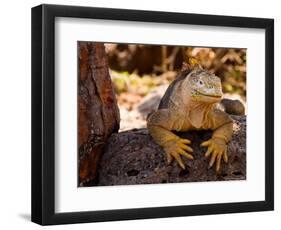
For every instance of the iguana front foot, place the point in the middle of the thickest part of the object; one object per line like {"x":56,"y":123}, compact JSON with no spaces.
{"x":176,"y":148}
{"x":217,"y":148}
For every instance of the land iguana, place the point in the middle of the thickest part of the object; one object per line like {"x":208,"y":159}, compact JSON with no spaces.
{"x":190,"y":103}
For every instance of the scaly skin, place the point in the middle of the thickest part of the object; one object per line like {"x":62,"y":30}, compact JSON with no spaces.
{"x":190,"y":104}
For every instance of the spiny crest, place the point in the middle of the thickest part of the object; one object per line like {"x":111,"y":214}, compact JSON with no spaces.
{"x":191,"y":64}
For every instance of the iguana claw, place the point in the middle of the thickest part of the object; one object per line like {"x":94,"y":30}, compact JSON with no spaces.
{"x":176,"y":148}
{"x":217,"y":148}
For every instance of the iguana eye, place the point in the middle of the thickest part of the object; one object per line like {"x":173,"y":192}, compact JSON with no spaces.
{"x":201,"y":82}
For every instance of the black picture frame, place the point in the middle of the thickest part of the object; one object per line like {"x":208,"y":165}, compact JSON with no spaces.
{"x":43,"y":114}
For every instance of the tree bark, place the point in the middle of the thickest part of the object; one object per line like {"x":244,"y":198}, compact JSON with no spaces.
{"x":98,"y":113}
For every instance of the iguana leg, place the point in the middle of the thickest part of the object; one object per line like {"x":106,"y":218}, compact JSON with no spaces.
{"x":158,"y":126}
{"x":217,"y":145}
{"x":174,"y":146}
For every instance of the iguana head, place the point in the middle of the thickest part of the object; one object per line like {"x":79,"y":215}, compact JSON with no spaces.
{"x":203,"y":86}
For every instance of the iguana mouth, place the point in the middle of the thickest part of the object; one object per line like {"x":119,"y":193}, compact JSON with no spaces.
{"x":209,"y":95}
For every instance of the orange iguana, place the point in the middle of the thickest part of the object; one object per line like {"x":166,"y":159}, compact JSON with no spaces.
{"x":190,"y":103}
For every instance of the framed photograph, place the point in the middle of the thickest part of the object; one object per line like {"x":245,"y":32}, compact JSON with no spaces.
{"x":143,"y":114}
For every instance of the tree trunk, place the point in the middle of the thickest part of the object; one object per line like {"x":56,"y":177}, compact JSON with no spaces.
{"x":98,"y":113}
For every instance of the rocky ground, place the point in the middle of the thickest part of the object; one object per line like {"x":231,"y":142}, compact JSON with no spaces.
{"x":132,"y":157}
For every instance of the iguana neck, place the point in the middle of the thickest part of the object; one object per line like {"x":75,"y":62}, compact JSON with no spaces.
{"x":196,"y":112}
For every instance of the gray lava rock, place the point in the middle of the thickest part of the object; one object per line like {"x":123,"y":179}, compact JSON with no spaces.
{"x":132,"y":157}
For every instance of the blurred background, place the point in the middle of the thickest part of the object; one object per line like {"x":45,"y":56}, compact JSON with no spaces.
{"x":141,"y":74}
